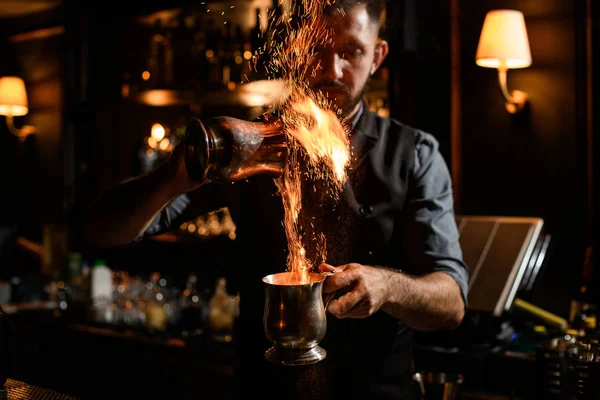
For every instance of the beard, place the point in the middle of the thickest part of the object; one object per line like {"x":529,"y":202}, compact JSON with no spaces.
{"x":349,"y":104}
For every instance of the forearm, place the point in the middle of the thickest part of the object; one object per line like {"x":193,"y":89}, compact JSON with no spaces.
{"x":427,"y":302}
{"x":123,"y":213}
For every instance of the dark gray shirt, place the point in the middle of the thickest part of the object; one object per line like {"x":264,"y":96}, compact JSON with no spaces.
{"x":396,"y":211}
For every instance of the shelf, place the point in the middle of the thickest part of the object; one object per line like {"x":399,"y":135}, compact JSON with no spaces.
{"x":261,"y":93}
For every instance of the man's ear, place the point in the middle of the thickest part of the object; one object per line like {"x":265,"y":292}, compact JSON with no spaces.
{"x":381,"y":51}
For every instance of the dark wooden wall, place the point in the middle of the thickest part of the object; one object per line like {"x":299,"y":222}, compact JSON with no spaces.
{"x":37,"y":60}
{"x":536,"y":163}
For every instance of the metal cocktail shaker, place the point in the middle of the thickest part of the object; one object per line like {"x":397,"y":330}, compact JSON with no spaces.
{"x":229,"y":149}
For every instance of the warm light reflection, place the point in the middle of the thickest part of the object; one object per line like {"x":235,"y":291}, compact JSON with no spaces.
{"x":164,"y":97}
{"x":157,"y":131}
{"x":145,"y":75}
{"x":164,"y":144}
{"x":152,"y":142}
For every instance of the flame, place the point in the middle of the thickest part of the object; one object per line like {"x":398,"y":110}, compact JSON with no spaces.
{"x":318,"y":141}
{"x":326,"y":141}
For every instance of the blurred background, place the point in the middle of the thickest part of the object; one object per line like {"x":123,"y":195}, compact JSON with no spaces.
{"x":98,"y":92}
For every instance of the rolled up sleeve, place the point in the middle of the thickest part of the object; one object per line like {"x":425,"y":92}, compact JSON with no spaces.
{"x":431,"y":239}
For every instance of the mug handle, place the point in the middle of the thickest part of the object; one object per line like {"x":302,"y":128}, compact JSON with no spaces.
{"x":328,"y":297}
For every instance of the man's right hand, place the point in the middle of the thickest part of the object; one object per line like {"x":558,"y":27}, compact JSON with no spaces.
{"x":123,"y":213}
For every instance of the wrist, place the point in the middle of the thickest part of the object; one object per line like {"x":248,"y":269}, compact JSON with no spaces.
{"x":398,"y":290}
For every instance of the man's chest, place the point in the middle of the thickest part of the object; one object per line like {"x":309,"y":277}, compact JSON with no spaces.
{"x":357,"y":225}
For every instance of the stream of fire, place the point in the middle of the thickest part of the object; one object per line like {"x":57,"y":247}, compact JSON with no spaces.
{"x":318,"y":141}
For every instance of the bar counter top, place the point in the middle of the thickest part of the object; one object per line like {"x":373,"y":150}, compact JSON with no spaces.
{"x":17,"y":390}
{"x":100,"y":362}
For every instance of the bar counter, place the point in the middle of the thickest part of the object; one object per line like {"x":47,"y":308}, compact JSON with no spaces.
{"x":94,"y":362}
{"x":14,"y":390}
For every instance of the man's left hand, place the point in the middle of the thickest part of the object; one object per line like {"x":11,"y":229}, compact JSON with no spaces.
{"x":364,"y":288}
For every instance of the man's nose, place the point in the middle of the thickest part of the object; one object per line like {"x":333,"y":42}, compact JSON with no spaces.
{"x":331,"y":65}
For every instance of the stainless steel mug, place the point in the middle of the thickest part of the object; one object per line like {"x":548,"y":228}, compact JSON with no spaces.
{"x":294,"y":317}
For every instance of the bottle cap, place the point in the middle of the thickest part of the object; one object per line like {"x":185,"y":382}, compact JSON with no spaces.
{"x":99,"y":263}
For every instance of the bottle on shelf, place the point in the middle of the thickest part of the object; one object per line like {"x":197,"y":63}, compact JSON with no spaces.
{"x":101,"y":292}
{"x":192,"y":308}
{"x":156,"y":315}
{"x":222,"y":312}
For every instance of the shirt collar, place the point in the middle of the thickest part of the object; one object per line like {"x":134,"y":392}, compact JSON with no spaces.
{"x":358,"y":115}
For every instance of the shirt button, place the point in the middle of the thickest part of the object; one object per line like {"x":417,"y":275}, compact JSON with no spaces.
{"x":365,"y":210}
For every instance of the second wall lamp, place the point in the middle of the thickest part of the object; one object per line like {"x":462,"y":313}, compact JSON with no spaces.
{"x":13,"y":103}
{"x":504,"y":45}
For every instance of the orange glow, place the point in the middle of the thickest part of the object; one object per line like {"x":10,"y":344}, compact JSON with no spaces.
{"x":145,"y":75}
{"x":164,"y":144}
{"x":152,"y":142}
{"x":157,"y":131}
{"x":326,"y":140}
{"x":164,"y":97}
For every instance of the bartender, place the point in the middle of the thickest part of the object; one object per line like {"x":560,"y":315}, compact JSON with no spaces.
{"x":392,"y":239}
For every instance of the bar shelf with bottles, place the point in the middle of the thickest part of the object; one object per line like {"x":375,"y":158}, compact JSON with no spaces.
{"x":150,"y":307}
{"x":211,"y":57}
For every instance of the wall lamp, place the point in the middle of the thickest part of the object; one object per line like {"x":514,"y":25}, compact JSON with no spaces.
{"x":504,"y":45}
{"x":13,"y":103}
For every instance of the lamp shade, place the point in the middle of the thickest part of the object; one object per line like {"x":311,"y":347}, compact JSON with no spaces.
{"x":503,"y":42}
{"x":13,"y":97}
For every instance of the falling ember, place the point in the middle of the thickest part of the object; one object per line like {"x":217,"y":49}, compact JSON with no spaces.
{"x":318,"y":142}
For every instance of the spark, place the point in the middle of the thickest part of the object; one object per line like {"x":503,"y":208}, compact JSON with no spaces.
{"x":318,"y":144}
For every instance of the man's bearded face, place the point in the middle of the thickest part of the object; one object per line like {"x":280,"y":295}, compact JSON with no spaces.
{"x":344,"y":66}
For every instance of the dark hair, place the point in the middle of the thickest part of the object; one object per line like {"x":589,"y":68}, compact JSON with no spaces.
{"x":375,"y":8}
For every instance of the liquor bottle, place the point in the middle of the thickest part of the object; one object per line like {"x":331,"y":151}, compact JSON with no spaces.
{"x":192,"y":306}
{"x":222,"y":312}
{"x":156,"y":315}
